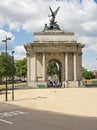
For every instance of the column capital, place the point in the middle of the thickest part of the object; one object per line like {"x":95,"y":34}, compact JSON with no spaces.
{"x":66,"y":52}
{"x":28,"y":54}
{"x":75,"y":52}
{"x":80,"y":53}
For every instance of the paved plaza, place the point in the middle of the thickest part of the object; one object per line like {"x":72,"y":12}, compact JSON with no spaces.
{"x":70,"y":101}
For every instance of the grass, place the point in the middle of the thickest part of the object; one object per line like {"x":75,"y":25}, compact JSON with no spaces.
{"x":90,"y":81}
{"x":15,"y":85}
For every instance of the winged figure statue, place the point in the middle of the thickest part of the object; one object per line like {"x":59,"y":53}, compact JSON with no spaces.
{"x":53,"y":14}
{"x":53,"y":24}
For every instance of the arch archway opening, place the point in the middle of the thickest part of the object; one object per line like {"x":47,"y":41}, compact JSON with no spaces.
{"x":54,"y":73}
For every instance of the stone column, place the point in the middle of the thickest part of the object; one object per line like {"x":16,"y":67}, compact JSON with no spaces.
{"x":31,"y":68}
{"x":35,"y":67}
{"x":44,"y":78}
{"x":75,"y":66}
{"x":80,"y":66}
{"x":63,"y":71}
{"x":66,"y":69}
{"x":28,"y":67}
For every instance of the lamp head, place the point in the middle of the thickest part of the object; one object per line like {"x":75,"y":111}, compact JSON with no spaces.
{"x":3,"y":40}
{"x":12,"y":52}
{"x":8,"y":38}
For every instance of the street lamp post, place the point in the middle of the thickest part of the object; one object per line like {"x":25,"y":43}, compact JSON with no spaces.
{"x":6,"y":39}
{"x":12,"y":75}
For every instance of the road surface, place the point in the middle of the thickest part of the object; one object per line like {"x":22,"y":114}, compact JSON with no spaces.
{"x":17,"y":118}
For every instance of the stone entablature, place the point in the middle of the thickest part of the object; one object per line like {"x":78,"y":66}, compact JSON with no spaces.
{"x":54,"y":47}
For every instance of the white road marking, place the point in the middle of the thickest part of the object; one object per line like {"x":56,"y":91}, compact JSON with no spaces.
{"x":10,"y":114}
{"x":11,"y":123}
{"x":13,"y":113}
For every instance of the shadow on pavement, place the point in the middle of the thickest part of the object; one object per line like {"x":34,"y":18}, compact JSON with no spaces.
{"x":46,"y":120}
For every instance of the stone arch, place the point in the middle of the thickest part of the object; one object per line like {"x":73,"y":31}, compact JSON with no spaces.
{"x":59,"y":68}
{"x":59,"y":46}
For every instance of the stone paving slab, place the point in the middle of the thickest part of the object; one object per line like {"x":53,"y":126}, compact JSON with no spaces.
{"x":77,"y":101}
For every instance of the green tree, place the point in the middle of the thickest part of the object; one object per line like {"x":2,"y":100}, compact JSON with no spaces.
{"x":21,"y":68}
{"x":87,"y":74}
{"x":52,"y":68}
{"x":3,"y":65}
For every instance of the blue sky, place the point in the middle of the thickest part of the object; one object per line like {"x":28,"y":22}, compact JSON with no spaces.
{"x":95,"y":1}
{"x":19,"y":19}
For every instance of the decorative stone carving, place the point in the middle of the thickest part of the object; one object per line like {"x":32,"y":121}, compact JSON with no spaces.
{"x":53,"y":24}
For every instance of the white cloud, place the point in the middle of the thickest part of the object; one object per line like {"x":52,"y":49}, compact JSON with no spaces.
{"x":90,"y":26}
{"x":91,"y":43}
{"x":3,"y":35}
{"x":31,"y":16}
{"x":19,"y":52}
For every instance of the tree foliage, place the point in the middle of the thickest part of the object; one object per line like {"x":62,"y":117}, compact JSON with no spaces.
{"x":52,"y":68}
{"x":87,"y":74}
{"x":21,"y":68}
{"x":3,"y":65}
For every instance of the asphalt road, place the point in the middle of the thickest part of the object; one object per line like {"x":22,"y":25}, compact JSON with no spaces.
{"x":17,"y":118}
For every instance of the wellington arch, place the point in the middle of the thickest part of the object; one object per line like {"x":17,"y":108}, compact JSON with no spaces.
{"x":54,"y":44}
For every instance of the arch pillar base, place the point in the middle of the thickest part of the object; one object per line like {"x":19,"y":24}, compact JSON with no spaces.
{"x":32,"y":84}
{"x":73,"y":84}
